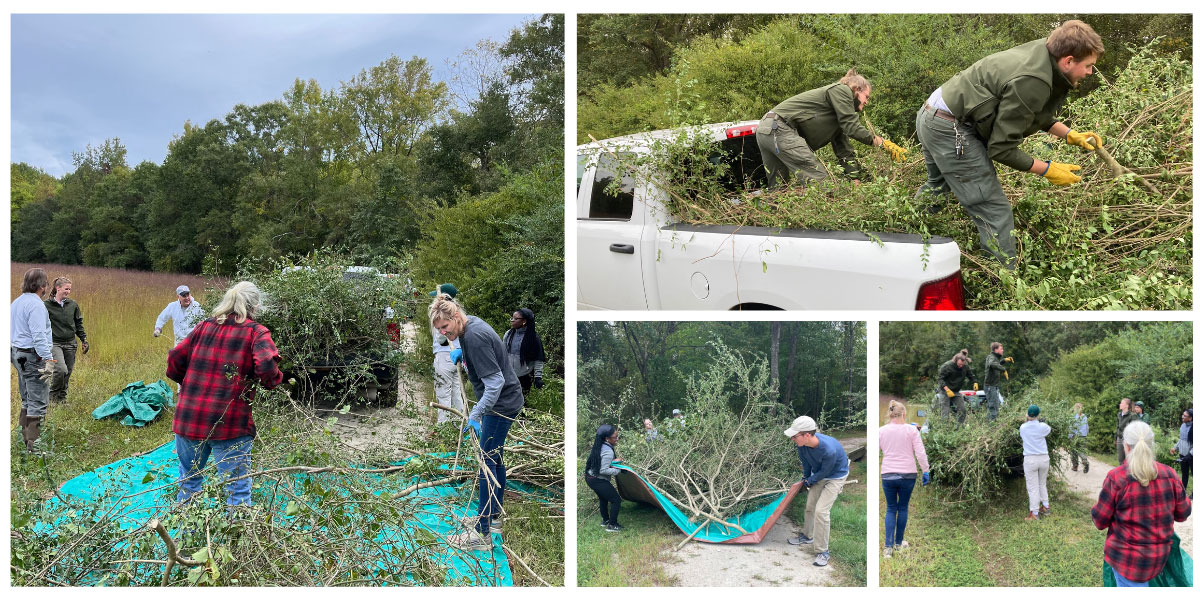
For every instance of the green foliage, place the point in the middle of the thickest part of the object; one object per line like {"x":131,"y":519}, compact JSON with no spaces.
{"x":1152,"y":364}
{"x":503,"y":251}
{"x":970,"y":463}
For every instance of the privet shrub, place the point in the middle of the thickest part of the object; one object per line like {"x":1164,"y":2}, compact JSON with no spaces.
{"x":724,"y":461}
{"x":970,"y":462}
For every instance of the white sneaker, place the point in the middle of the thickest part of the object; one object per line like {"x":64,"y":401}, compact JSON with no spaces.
{"x":470,"y":540}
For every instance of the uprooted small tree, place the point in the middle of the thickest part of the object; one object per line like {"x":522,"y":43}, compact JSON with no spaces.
{"x":970,"y":463}
{"x":731,"y":455}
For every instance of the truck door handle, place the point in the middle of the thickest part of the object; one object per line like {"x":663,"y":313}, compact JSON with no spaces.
{"x":621,"y":248}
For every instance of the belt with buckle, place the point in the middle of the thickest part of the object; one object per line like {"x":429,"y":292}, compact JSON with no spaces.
{"x":939,"y":113}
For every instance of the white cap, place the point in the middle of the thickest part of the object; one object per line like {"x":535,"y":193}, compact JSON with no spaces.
{"x":181,"y":290}
{"x":799,"y":425}
{"x":676,"y":412}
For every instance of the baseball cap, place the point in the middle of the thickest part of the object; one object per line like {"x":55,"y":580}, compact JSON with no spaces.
{"x":1033,"y":410}
{"x":801,"y":424}
{"x":447,"y":288}
{"x":676,"y":412}
{"x":182,"y":290}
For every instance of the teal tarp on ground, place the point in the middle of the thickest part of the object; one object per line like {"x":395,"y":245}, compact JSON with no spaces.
{"x":1176,"y":573}
{"x":140,"y":488}
{"x":139,"y":403}
{"x":756,"y":523}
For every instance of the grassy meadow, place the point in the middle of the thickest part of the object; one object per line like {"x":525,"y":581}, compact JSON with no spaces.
{"x":119,"y":308}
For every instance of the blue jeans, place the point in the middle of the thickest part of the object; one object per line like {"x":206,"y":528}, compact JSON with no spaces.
{"x":1122,"y":582}
{"x":896,"y":492}
{"x":233,"y":460}
{"x":491,"y":443}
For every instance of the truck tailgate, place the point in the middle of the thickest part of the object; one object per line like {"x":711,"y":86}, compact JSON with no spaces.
{"x":704,"y":267}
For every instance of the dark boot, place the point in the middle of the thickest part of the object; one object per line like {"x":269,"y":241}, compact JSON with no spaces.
{"x":31,"y":432}
{"x":21,"y":419}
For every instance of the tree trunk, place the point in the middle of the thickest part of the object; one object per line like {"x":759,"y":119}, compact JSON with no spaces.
{"x":791,"y":366}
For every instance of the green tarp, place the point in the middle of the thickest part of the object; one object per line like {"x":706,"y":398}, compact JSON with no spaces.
{"x":137,"y":404}
{"x":755,"y":523}
{"x":1176,"y":573}
{"x":133,"y":490}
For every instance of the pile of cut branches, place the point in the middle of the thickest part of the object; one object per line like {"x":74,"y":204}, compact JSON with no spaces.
{"x":731,"y":455}
{"x":1107,"y":243}
{"x":970,"y":463}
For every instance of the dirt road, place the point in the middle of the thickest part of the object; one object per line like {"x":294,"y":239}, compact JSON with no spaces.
{"x":772,"y":562}
{"x":1089,"y":485}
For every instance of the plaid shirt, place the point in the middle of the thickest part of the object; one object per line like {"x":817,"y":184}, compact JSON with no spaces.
{"x":1140,"y":520}
{"x":215,"y":366}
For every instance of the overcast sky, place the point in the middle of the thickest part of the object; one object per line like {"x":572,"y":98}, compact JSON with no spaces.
{"x":80,"y":79}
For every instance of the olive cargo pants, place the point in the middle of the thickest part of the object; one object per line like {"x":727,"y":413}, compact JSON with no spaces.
{"x":972,"y":178}
{"x":786,"y":153}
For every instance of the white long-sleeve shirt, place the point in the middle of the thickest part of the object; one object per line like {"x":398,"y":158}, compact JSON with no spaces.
{"x":183,"y":319}
{"x":1033,"y":437}
{"x":29,"y":325}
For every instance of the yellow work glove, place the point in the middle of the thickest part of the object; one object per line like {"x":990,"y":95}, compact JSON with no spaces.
{"x":1080,"y":138}
{"x":1061,"y":173}
{"x":949,"y":393}
{"x":976,"y":386}
{"x":1008,"y":359}
{"x":1006,"y":375}
{"x":898,"y":153}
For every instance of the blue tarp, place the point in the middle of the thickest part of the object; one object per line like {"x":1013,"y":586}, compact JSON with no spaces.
{"x":138,"y":402}
{"x":140,"y":488}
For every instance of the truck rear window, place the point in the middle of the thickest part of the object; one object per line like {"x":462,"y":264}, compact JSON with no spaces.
{"x":604,"y":205}
{"x":744,"y":162}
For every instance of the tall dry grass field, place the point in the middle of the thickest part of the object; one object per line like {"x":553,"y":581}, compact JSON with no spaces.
{"x":119,"y":308}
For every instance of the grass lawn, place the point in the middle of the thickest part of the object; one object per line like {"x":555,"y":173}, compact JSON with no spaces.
{"x":993,"y":545}
{"x":636,"y":556}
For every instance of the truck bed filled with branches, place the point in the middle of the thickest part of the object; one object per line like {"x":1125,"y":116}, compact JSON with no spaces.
{"x":1119,"y":240}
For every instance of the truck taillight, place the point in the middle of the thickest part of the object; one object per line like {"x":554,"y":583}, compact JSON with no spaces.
{"x":942,"y":294}
{"x":740,"y":131}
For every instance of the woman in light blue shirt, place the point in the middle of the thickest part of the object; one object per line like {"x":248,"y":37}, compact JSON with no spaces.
{"x":1079,"y":427}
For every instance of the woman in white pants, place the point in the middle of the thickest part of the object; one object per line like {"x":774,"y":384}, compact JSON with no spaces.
{"x":1037,"y":462}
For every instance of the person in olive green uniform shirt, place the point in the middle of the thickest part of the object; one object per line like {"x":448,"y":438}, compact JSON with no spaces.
{"x":951,"y":377}
{"x":66,"y":323}
{"x":1139,"y":412}
{"x":993,"y":370}
{"x":984,"y":112}
{"x":1125,"y":416}
{"x":789,"y":134}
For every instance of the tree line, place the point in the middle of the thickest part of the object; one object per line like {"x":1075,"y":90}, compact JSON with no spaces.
{"x":631,"y":370}
{"x":643,"y":72}
{"x":387,"y":167}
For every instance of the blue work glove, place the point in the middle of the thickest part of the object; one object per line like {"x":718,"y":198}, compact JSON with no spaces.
{"x":456,"y":355}
{"x":925,"y":478}
{"x":537,"y":382}
{"x":473,"y":424}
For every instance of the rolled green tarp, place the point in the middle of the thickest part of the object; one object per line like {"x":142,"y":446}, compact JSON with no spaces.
{"x":137,"y":404}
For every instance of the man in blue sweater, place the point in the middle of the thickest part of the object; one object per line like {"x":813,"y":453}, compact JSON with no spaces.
{"x":825,"y":469}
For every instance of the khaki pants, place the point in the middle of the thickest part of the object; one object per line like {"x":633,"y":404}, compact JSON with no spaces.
{"x":1037,"y":467}
{"x":816,"y":511}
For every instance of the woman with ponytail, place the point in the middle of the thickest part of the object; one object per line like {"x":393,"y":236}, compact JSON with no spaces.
{"x":1138,"y":505}
{"x":900,"y":443}
{"x":597,"y":473}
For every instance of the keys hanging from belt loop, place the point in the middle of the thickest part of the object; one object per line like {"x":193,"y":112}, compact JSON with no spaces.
{"x":960,"y":142}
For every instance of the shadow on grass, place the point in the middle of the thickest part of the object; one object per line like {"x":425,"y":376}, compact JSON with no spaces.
{"x":627,"y":558}
{"x":992,"y":545}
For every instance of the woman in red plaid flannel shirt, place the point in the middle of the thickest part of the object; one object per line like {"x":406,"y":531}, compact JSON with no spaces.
{"x":217,"y":366}
{"x":1138,"y":504}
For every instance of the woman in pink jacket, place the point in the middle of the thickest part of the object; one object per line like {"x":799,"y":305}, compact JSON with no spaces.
{"x":902,"y":449}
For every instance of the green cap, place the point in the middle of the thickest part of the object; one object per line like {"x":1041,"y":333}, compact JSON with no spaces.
{"x":1033,"y":410}
{"x":447,"y":288}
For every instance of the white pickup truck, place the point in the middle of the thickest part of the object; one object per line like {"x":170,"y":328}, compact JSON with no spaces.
{"x":632,"y":255}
